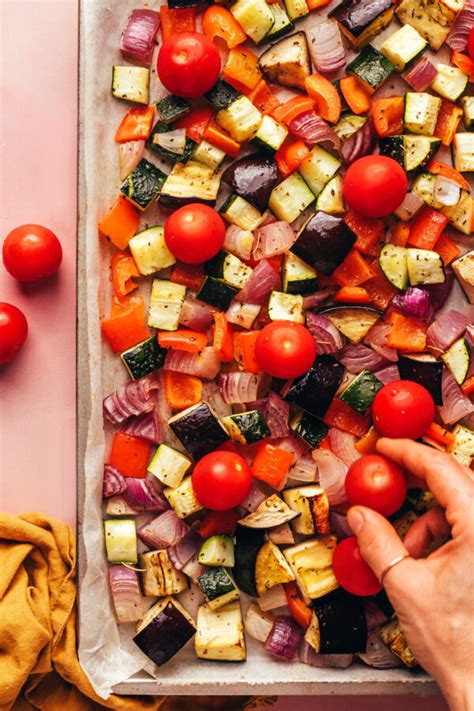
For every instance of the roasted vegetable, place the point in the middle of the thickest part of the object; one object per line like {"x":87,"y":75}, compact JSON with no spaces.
{"x":393,"y":636}
{"x":253,"y":178}
{"x":324,"y":241}
{"x":311,"y":562}
{"x":315,"y":390}
{"x":287,"y":61}
{"x":425,"y":370}
{"x":312,"y":503}
{"x":248,"y":542}
{"x":352,"y":321}
{"x":164,"y":630}
{"x":338,"y":624}
{"x":199,"y":430}
{"x":183,"y":499}
{"x":159,"y":576}
{"x":220,"y":633}
{"x":362,"y":20}
{"x":271,"y":568}
{"x":271,"y":512}
{"x":218,"y":587}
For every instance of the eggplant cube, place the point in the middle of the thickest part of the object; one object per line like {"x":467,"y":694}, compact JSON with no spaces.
{"x":362,"y":20}
{"x":338,"y":625}
{"x":311,"y":562}
{"x":324,"y":241}
{"x":312,"y":503}
{"x":199,"y":430}
{"x":315,"y":390}
{"x":164,"y":630}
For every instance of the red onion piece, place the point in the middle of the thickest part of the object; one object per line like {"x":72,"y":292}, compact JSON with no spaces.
{"x":144,"y":495}
{"x":181,"y":553}
{"x":328,"y":338}
{"x":114,"y":482}
{"x":388,"y":375}
{"x":445,"y":330}
{"x":204,"y":365}
{"x":277,"y":413}
{"x":193,"y":569}
{"x":149,"y":427}
{"x":258,"y":624}
{"x":263,"y":281}
{"x":293,"y":444}
{"x":458,"y":36}
{"x":377,"y":339}
{"x":421,"y":75}
{"x":196,"y":315}
{"x":239,"y":387}
{"x":273,"y":599}
{"x":362,"y":142}
{"x":138,"y":39}
{"x":319,"y":297}
{"x":117,"y":506}
{"x":414,"y":302}
{"x":163,"y":531}
{"x":332,"y":475}
{"x":326,"y":46}
{"x":339,"y":525}
{"x":273,"y":239}
{"x":323,"y":661}
{"x":343,"y":445}
{"x":130,"y":155}
{"x":239,"y":242}
{"x":242,"y":314}
{"x":310,"y":128}
{"x":135,"y":398}
{"x":373,"y":614}
{"x":356,"y":357}
{"x":439,"y":293}
{"x":284,"y":639}
{"x":126,"y":594}
{"x":253,"y":500}
{"x":455,"y":405}
{"x":304,"y":470}
{"x":377,"y":655}
{"x":410,"y":207}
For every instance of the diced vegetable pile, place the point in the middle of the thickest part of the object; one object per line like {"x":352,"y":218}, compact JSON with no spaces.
{"x":370,"y":291}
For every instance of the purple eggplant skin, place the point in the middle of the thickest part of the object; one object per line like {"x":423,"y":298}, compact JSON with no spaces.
{"x":357,"y":15}
{"x":342,"y":623}
{"x":199,"y":431}
{"x":324,"y":241}
{"x":253,"y":178}
{"x":315,"y":390}
{"x":165,"y":635}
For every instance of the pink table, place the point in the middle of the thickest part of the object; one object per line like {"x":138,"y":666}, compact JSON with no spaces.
{"x":38,"y":184}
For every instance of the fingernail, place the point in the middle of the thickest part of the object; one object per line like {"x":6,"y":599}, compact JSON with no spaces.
{"x":355,"y":518}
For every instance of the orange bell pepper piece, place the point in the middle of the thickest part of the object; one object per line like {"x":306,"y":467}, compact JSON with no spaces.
{"x":126,"y":325}
{"x":440,"y":435}
{"x":130,"y":455}
{"x":387,"y":115}
{"x":468,"y":387}
{"x":447,"y":123}
{"x":352,"y":295}
{"x":183,"y":339}
{"x":195,"y":122}
{"x":299,"y":610}
{"x":426,"y":228}
{"x":241,"y":69}
{"x":367,"y":444}
{"x":272,"y":464}
{"x":407,"y":334}
{"x":400,"y":234}
{"x":124,"y":270}
{"x":345,"y":418}
{"x":181,"y":390}
{"x":438,"y":168}
{"x":189,"y":275}
{"x":369,"y":231}
{"x":356,"y":95}
{"x":316,"y":4}
{"x":464,"y":63}
{"x":244,"y":351}
{"x":327,"y":102}
{"x":290,"y":155}
{"x":448,"y":250}
{"x":221,"y":139}
{"x":293,"y":108}
{"x":176,"y":20}
{"x":353,"y":271}
{"x":121,"y":223}
{"x":262,"y":97}
{"x":219,"y":22}
{"x":136,"y":125}
{"x":223,"y":337}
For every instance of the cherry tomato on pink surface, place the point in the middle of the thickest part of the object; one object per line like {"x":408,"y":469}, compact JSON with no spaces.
{"x":403,"y":409}
{"x":285,"y":349}
{"x":351,"y":571}
{"x":32,"y":252}
{"x":374,"y":186}
{"x":222,"y":480}
{"x":188,"y":64}
{"x":376,"y":482}
{"x":194,"y":233}
{"x":13,"y":331}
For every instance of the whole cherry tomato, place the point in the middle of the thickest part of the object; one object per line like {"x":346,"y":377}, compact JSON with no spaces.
{"x":403,"y":409}
{"x":13,"y":331}
{"x":351,"y":571}
{"x":285,"y":349}
{"x":194,"y":233}
{"x":32,"y":252}
{"x":188,"y":64}
{"x":374,"y":186}
{"x":376,"y":482}
{"x":221,"y":480}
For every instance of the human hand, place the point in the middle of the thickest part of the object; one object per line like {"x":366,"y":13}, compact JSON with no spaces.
{"x":434,"y":596}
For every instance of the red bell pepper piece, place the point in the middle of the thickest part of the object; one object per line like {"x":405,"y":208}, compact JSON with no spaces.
{"x":221,"y":139}
{"x":176,"y":20}
{"x":244,"y":351}
{"x":407,"y":334}
{"x":300,"y":611}
{"x":290,"y":156}
{"x":272,"y":464}
{"x":183,"y":340}
{"x":130,"y":455}
{"x":447,"y":123}
{"x":387,"y":115}
{"x":440,"y":435}
{"x":189,"y":275}
{"x":218,"y":522}
{"x":124,"y":270}
{"x":136,"y":125}
{"x":448,"y":250}
{"x":369,"y":232}
{"x":353,"y":271}
{"x":263,"y":98}
{"x":181,"y":390}
{"x":219,"y":22}
{"x":352,"y":295}
{"x":195,"y":122}
{"x":121,"y":223}
{"x":126,"y":325}
{"x":345,"y":418}
{"x":426,"y":228}
{"x":468,"y":387}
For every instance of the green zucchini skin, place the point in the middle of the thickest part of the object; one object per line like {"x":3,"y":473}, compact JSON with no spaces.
{"x":248,"y":542}
{"x":172,"y":108}
{"x":222,"y":95}
{"x":144,"y":358}
{"x":144,"y":183}
{"x":251,"y":425}
{"x":315,"y":390}
{"x":215,"y":582}
{"x":311,"y":429}
{"x":162,"y":127}
{"x":342,"y":623}
{"x":198,"y":430}
{"x":324,"y":241}
{"x":360,"y":393}
{"x":425,"y":373}
{"x":165,"y":635}
{"x":371,"y":67}
{"x":217,"y":293}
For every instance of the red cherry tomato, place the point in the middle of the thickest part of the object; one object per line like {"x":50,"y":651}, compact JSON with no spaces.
{"x":13,"y":331}
{"x":194,"y":233}
{"x":470,"y":43}
{"x":222,"y":480}
{"x":376,"y":482}
{"x":351,"y":571}
{"x":403,"y":409}
{"x":32,"y":252}
{"x":285,"y":349}
{"x":188,"y":64}
{"x":374,"y":186}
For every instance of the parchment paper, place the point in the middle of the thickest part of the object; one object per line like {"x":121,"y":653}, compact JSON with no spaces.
{"x":106,"y":650}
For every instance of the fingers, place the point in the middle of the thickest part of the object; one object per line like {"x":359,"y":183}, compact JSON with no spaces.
{"x":431,"y":525}
{"x":446,"y":478}
{"x":378,"y":542}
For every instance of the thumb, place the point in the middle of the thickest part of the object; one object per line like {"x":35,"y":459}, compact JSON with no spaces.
{"x":379,"y":543}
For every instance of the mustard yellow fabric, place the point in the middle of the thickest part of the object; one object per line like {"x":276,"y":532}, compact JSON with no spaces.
{"x":39,"y":668}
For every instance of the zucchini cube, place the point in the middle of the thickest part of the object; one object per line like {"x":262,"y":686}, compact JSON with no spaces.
{"x":371,"y":68}
{"x":131,"y":84}
{"x":144,"y":358}
{"x":144,"y":184}
{"x":361,"y":391}
{"x":403,"y":46}
{"x":149,"y":251}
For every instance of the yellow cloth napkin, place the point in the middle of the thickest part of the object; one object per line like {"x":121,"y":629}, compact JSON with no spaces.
{"x":39,"y":668}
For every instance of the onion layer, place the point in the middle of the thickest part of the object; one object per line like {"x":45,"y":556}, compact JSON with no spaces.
{"x":126,"y":595}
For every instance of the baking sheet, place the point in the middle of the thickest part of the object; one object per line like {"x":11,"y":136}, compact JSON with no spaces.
{"x":106,"y":652}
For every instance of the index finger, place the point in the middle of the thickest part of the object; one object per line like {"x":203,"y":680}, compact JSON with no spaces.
{"x":445,"y":477}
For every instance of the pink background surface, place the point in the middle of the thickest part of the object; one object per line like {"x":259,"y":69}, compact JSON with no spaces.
{"x":38,"y":66}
